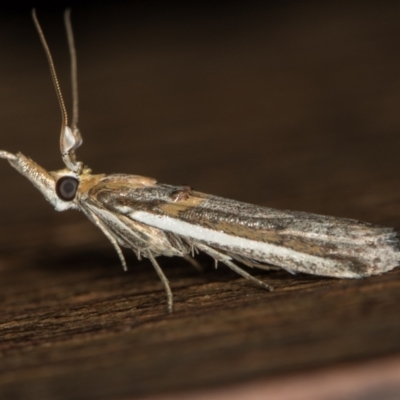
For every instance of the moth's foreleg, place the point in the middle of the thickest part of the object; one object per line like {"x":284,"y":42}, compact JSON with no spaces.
{"x":111,"y":238}
{"x":225,"y":259}
{"x":164,"y":280}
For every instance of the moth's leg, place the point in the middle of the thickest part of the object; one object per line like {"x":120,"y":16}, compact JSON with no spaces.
{"x":246,"y":275}
{"x":164,"y":280}
{"x":218,"y":256}
{"x":254,"y":264}
{"x":193,"y":250}
{"x":111,"y":238}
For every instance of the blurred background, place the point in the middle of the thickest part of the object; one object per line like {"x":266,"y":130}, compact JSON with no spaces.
{"x":293,"y":105}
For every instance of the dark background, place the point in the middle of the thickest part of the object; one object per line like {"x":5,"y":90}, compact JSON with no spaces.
{"x":284,"y":104}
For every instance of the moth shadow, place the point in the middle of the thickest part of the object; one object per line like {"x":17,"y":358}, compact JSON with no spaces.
{"x":105,"y":263}
{"x":80,"y":259}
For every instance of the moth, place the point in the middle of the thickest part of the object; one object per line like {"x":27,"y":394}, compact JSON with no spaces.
{"x":155,"y":219}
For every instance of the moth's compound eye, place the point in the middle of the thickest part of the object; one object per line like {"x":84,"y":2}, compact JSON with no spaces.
{"x":66,"y":188}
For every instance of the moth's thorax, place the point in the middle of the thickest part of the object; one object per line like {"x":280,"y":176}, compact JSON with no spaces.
{"x":86,"y":182}
{"x":116,"y":181}
{"x":107,"y":186}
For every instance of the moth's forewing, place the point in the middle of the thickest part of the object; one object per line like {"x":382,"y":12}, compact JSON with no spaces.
{"x":296,"y":241}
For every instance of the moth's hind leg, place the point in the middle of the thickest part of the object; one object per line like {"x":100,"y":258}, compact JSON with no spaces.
{"x":164,"y":280}
{"x":246,"y":275}
{"x":225,"y":259}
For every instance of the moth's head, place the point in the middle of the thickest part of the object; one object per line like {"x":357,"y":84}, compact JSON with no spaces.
{"x":64,"y":191}
{"x":60,"y":188}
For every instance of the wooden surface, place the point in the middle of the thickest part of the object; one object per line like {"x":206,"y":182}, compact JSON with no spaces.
{"x":290,"y":107}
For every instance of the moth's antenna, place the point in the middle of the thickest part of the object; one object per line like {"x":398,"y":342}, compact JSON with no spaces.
{"x":74,"y":69}
{"x":70,"y":140}
{"x":52,"y":71}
